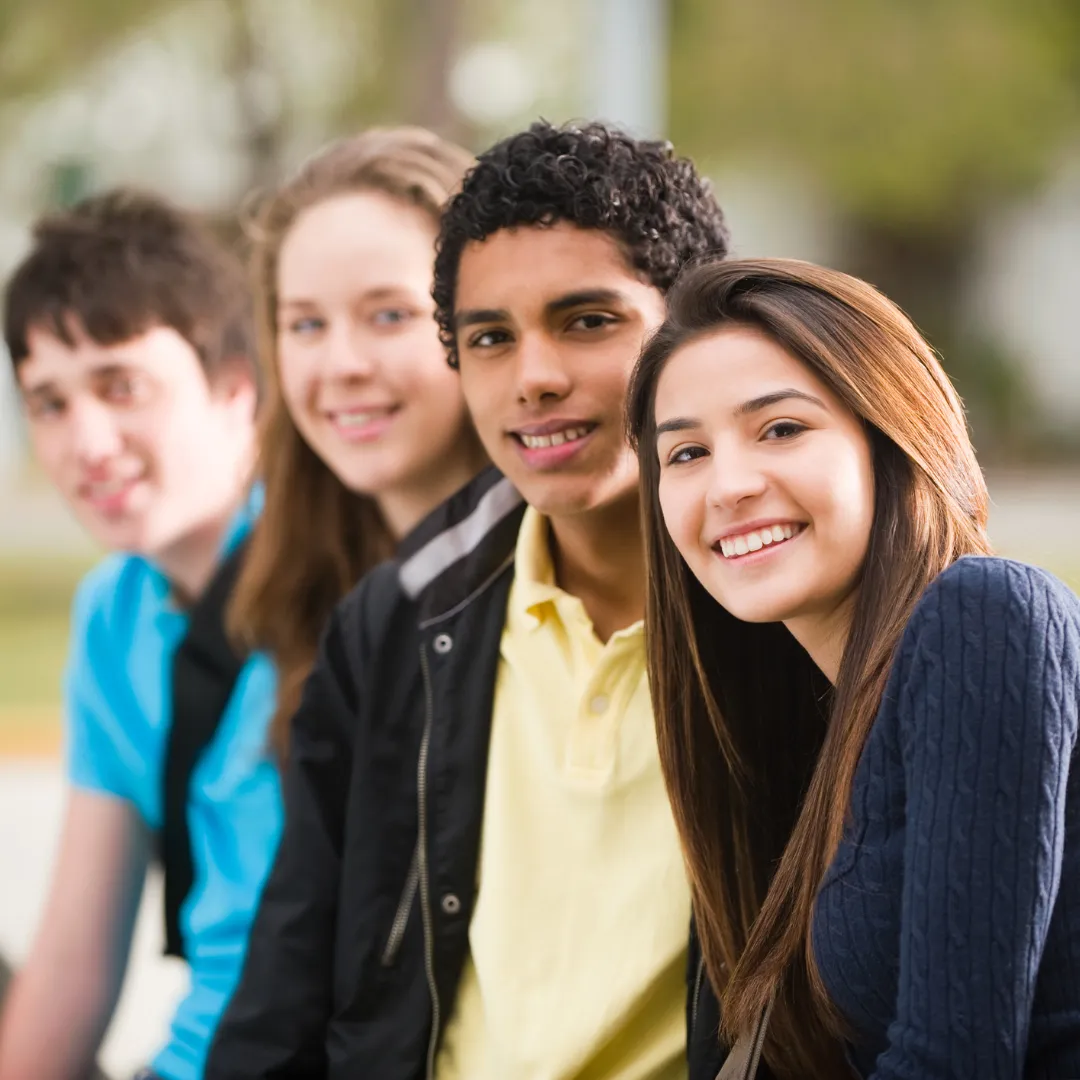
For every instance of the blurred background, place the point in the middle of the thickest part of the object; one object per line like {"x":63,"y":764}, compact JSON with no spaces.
{"x":932,"y":147}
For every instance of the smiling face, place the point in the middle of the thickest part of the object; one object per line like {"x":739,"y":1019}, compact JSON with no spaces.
{"x":141,"y":446}
{"x":766,"y":481}
{"x":362,"y":371}
{"x":549,"y":322}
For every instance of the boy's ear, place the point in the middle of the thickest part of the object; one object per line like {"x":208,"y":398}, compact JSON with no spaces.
{"x":237,"y":382}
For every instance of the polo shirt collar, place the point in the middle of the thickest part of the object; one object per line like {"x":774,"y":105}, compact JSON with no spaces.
{"x":535,"y":597}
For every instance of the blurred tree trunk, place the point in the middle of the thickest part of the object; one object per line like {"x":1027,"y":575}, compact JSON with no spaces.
{"x":254,"y":85}
{"x":923,"y":270}
{"x":435,"y":30}
{"x":926,"y":271}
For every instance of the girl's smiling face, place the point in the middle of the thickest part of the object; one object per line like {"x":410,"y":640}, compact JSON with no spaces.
{"x":766,"y":484}
{"x":362,"y":370}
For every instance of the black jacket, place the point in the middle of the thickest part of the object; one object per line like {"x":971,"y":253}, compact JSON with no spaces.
{"x":360,"y":939}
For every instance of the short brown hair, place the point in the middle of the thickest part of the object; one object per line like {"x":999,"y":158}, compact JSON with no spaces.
{"x":120,"y":263}
{"x":316,"y":538}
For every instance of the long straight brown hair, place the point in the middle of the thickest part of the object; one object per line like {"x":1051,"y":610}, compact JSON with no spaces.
{"x":758,"y":749}
{"x":315,"y":538}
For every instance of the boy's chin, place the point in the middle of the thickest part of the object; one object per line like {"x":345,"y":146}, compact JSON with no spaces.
{"x":566,"y":496}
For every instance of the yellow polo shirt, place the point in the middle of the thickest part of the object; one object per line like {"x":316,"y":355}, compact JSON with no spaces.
{"x":578,"y":940}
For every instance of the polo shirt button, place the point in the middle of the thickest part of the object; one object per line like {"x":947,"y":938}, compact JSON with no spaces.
{"x":451,"y":904}
{"x":443,"y":644}
{"x":599,"y":704}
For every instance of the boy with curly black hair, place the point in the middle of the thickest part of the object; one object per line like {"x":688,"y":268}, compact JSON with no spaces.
{"x":480,"y":876}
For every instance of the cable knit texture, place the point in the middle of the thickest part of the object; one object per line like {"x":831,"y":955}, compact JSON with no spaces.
{"x":947,"y":930}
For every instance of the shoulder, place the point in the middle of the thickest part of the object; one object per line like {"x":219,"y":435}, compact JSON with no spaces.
{"x":992,"y":637}
{"x":368,"y":610}
{"x":109,"y":598}
{"x":994,"y":597}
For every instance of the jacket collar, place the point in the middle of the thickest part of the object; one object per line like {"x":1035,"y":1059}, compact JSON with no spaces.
{"x":461,"y":546}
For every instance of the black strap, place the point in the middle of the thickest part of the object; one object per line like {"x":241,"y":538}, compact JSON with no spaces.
{"x":204,"y":671}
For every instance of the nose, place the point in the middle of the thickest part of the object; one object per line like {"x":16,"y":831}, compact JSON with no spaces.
{"x":347,"y":354}
{"x":734,"y":477}
{"x":541,"y":375}
{"x":94,"y":430}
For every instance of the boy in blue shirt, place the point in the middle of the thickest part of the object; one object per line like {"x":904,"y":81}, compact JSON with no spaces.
{"x":129,"y":329}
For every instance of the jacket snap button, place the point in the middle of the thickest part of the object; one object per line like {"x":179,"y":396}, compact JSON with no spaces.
{"x":451,"y":904}
{"x":443,"y":644}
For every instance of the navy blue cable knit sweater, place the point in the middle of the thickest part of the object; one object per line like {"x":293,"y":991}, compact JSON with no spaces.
{"x":947,"y":930}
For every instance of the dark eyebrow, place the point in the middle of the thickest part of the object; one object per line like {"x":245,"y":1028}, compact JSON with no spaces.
{"x":112,"y":369}
{"x":41,"y":389}
{"x":109,"y":369}
{"x":480,"y":315}
{"x":757,"y":404}
{"x":583,"y":298}
{"x":679,"y":423}
{"x":686,"y":423}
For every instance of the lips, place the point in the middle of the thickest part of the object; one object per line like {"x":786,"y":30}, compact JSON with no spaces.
{"x":749,"y":541}
{"x":111,"y":495}
{"x":359,"y":416}
{"x":552,"y":443}
{"x":362,"y":423}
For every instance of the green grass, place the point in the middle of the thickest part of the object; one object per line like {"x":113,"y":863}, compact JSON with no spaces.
{"x":35,"y":597}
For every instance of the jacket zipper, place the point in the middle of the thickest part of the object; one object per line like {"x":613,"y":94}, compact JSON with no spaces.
{"x":401,"y":916}
{"x":422,"y":864}
{"x":697,"y":994}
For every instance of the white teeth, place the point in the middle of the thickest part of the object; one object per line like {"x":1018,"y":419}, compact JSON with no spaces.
{"x":357,"y":419}
{"x":110,"y":487}
{"x":733,"y":546}
{"x":557,"y":438}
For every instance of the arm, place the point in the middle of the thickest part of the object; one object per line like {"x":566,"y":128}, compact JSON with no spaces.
{"x":276,"y":1023}
{"x":989,"y":693}
{"x":60,"y":1003}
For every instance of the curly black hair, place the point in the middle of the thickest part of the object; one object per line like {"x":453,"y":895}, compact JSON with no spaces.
{"x":661,"y":212}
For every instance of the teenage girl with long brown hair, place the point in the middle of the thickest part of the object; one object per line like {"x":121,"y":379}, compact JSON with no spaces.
{"x":867,"y":723}
{"x":365,"y":429}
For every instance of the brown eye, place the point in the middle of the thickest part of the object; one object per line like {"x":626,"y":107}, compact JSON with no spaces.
{"x":784,"y":429}
{"x":41,"y":408}
{"x":488,"y":339}
{"x":687,"y":453}
{"x":593,"y":320}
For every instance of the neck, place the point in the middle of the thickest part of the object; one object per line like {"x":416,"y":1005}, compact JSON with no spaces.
{"x":403,"y":508}
{"x":599,"y":557}
{"x":190,"y":562}
{"x":825,"y":637}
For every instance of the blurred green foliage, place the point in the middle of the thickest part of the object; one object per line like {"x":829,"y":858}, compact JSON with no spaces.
{"x":916,"y":122}
{"x":43,"y":41}
{"x":912,"y":113}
